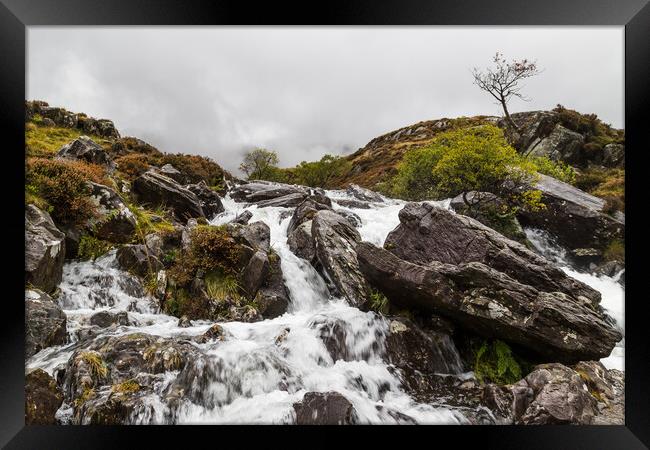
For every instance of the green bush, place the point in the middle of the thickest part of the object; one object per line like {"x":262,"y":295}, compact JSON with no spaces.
{"x":463,"y":160}
{"x":378,"y":302}
{"x":615,"y":251}
{"x":494,"y":362}
{"x":92,"y":248}
{"x":555,"y":169}
{"x":321,"y":173}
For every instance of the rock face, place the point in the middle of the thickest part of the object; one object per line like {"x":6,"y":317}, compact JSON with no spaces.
{"x":42,"y":398}
{"x":254,"y":273}
{"x":45,"y":322}
{"x":109,"y":380}
{"x":254,"y":235}
{"x":428,"y":233}
{"x":117,"y":223}
{"x":272,"y":297}
{"x":554,"y":394}
{"x":305,"y":212}
{"x":87,"y":150}
{"x":560,"y":145}
{"x":492,"y":304}
{"x":158,"y":190}
{"x":44,"y":250}
{"x":573,"y":216}
{"x":614,"y":155}
{"x":301,"y":242}
{"x":363,"y":194}
{"x":136,"y":258}
{"x":210,"y":200}
{"x":324,"y":408}
{"x":172,"y":172}
{"x":335,"y":241}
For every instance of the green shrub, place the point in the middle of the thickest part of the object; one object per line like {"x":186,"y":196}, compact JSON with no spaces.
{"x":556,"y":169}
{"x":494,"y":362}
{"x":194,"y":168}
{"x":321,"y":173}
{"x":44,"y":142}
{"x":61,"y":185}
{"x":615,"y":251}
{"x":132,"y":165}
{"x":92,"y":248}
{"x":469,"y":159}
{"x":379,"y":302}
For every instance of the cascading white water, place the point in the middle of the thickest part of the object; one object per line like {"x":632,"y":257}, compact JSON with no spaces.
{"x":612,"y":292}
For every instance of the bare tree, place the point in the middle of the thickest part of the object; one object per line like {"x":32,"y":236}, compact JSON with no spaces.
{"x":503,"y":81}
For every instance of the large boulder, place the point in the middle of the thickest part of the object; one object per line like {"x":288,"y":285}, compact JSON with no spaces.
{"x":87,"y":150}
{"x":44,"y":250}
{"x":575,"y":218}
{"x":490,"y":303}
{"x":137,"y":258}
{"x":335,"y":240}
{"x":254,"y":273}
{"x":614,"y":155}
{"x":301,"y":242}
{"x":305,"y":211}
{"x":99,"y":127}
{"x":172,"y":172}
{"x":364,"y":194}
{"x":105,"y":319}
{"x":427,"y":233}
{"x":324,"y":408}
{"x":256,"y":235}
{"x":561,"y":144}
{"x":257,"y":191}
{"x":210,"y":200}
{"x":158,"y":190}
{"x":272,"y":297}
{"x":45,"y":322}
{"x":42,"y":398}
{"x":286,"y":201}
{"x":116,"y":222}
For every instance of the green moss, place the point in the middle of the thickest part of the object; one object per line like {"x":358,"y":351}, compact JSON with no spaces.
{"x":615,"y":251}
{"x":495,"y":362}
{"x":95,"y":363}
{"x":126,"y":387}
{"x":379,"y":302}
{"x":86,"y":395}
{"x":92,"y":248}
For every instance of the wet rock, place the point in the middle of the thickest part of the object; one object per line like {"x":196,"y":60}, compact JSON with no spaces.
{"x":575,"y":218}
{"x":301,"y":242}
{"x":335,"y":241}
{"x":45,"y":322}
{"x":305,"y":212}
{"x":256,"y":235}
{"x":137,"y":259}
{"x":612,"y":269}
{"x":44,"y":250}
{"x":184,"y":322}
{"x":286,"y":201}
{"x":243,"y":218}
{"x":116,"y":222}
{"x":273,"y":298}
{"x":364,"y":194}
{"x":158,"y":190}
{"x":254,"y":273}
{"x":210,"y":200}
{"x":607,"y":386}
{"x":42,"y":398}
{"x":586,"y":258}
{"x":105,"y":319}
{"x":428,"y":233}
{"x":214,"y":333}
{"x":324,"y":408}
{"x":257,"y":191}
{"x":87,"y":150}
{"x":351,"y":217}
{"x":492,"y":304}
{"x":354,"y":204}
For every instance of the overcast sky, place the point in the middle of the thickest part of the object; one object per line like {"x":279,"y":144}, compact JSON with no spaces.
{"x":304,"y":92}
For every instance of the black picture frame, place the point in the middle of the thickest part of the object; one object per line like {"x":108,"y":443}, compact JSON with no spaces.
{"x":16,"y":15}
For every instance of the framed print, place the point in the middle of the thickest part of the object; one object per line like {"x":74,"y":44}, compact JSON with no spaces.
{"x":392,"y":215}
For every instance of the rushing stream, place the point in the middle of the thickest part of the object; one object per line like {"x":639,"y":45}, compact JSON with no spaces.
{"x":255,"y":376}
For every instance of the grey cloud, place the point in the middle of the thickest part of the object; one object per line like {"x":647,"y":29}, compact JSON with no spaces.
{"x":303,"y":92}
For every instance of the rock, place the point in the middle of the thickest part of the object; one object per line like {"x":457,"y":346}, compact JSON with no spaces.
{"x":286,"y":201}
{"x":492,"y":304}
{"x":184,"y":322}
{"x":72,"y":238}
{"x":301,"y":243}
{"x":257,"y":191}
{"x":99,"y":127}
{"x":44,"y":250}
{"x":586,"y":257}
{"x":45,"y":322}
{"x":86,"y":149}
{"x":117,"y":223}
{"x":428,"y":233}
{"x":215,"y":332}
{"x":42,"y":398}
{"x":575,"y":218}
{"x":256,"y":235}
{"x":254,"y":273}
{"x":243,"y":218}
{"x":324,"y":408}
{"x":273,"y":298}
{"x":608,"y":388}
{"x":305,"y":212}
{"x":614,"y":155}
{"x":410,"y":348}
{"x":59,"y":116}
{"x":47,"y":122}
{"x":353,"y":204}
{"x":611,"y":268}
{"x":561,"y":144}
{"x":210,"y":200}
{"x":364,"y":194}
{"x":111,"y":377}
{"x":158,"y":190}
{"x":351,"y":217}
{"x":105,"y":319}
{"x":172,"y":172}
{"x":161,"y":284}
{"x":135,"y":258}
{"x":335,"y":241}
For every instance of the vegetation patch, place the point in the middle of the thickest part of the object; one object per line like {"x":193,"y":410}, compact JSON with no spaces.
{"x":494,"y":362}
{"x":379,"y":302}
{"x":127,"y":387}
{"x":95,"y":363}
{"x":44,"y":141}
{"x":556,"y":169}
{"x":608,"y":184}
{"x":91,"y":248}
{"x":615,"y":251}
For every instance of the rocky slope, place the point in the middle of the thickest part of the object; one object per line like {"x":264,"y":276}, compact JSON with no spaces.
{"x":159,"y":290}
